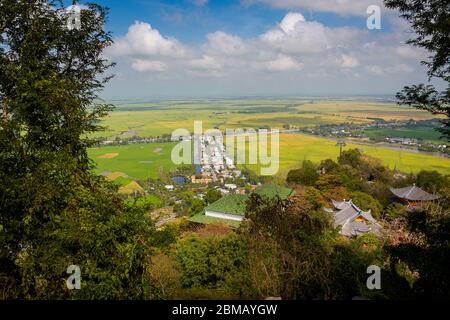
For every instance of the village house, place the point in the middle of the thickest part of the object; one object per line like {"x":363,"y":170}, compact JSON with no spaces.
{"x":232,"y":207}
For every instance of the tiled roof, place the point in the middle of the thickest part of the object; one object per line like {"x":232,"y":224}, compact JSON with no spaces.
{"x":413,"y":193}
{"x":346,"y":214}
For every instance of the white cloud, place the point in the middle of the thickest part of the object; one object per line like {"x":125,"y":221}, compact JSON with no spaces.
{"x":283,"y":63}
{"x":148,"y":65}
{"x":349,"y":61}
{"x":296,"y":35}
{"x":408,"y":52}
{"x":344,"y":7}
{"x":205,"y":63}
{"x":143,"y":40}
{"x":290,"y":21}
{"x":375,"y":70}
{"x":221,"y":42}
{"x":331,"y":57}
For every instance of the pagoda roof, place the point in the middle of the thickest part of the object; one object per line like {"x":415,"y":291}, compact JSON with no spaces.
{"x":413,"y":193}
{"x":346,"y":214}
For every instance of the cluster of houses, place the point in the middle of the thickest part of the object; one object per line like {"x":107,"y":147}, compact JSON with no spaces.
{"x":215,"y":163}
{"x":351,"y":220}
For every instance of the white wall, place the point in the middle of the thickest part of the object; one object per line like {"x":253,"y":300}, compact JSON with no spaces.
{"x":225,"y":216}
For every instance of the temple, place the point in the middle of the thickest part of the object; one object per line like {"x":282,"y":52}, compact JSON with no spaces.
{"x":353,"y":220}
{"x":413,"y":197}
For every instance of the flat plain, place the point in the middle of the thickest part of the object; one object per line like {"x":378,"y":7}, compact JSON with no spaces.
{"x":162,"y":117}
{"x":150,"y":119}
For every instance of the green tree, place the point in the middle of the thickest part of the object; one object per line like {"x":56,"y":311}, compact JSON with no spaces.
{"x":429,"y":20}
{"x":212,"y":195}
{"x":217,"y":264}
{"x":295,"y":252}
{"x":432,"y":181}
{"x":306,"y":175}
{"x":367,"y":202}
{"x":54,"y":212}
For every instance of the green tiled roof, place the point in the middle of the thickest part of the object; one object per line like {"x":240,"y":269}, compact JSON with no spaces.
{"x":272,"y":191}
{"x":232,"y":204}
{"x":201,"y":218}
{"x":235,"y":204}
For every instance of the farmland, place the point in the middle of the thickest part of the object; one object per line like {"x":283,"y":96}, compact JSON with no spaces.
{"x":162,"y":117}
{"x":138,"y":161}
{"x":422,"y":133}
{"x":294,"y":148}
{"x":141,"y":161}
{"x":150,"y":119}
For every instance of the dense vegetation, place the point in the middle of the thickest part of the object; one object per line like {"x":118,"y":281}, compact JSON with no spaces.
{"x":53,"y":212}
{"x":429,"y":20}
{"x":291,"y":249}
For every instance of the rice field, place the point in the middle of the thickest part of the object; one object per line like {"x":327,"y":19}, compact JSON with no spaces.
{"x":141,"y":161}
{"x":136,"y":161}
{"x":295,"y":148}
{"x":158,"y":118}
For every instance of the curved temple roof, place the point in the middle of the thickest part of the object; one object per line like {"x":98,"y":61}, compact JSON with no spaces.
{"x":347,"y":214}
{"x":413,"y":193}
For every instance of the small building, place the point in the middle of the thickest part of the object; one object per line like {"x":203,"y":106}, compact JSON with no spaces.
{"x":353,"y":220}
{"x":231,"y":207}
{"x":413,"y":197}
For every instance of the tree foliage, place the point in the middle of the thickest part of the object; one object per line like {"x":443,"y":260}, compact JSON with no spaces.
{"x":54,"y":212}
{"x":429,"y":19}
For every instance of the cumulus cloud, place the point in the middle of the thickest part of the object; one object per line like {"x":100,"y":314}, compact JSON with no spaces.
{"x":295,"y":48}
{"x":205,"y":63}
{"x":221,"y":42}
{"x":148,"y":65}
{"x":343,"y":7}
{"x":296,"y":35}
{"x":284,"y":63}
{"x":143,"y":40}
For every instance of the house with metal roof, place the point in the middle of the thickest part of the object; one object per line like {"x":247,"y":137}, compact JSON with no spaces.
{"x":230,"y":207}
{"x":352,"y":220}
{"x":233,"y":206}
{"x":413,"y":197}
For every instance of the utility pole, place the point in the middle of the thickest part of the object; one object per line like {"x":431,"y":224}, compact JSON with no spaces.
{"x":341,"y":143}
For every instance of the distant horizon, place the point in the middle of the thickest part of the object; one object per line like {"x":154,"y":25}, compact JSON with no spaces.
{"x":342,"y":97}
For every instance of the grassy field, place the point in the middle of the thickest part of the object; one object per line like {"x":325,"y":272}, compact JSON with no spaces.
{"x":140,"y":161}
{"x":143,"y":118}
{"x":294,"y":148}
{"x":162,"y":117}
{"x":137,"y":161}
{"x":419,"y":132}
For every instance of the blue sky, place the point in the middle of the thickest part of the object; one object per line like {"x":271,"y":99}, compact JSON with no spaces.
{"x":251,"y":47}
{"x":189,"y":22}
